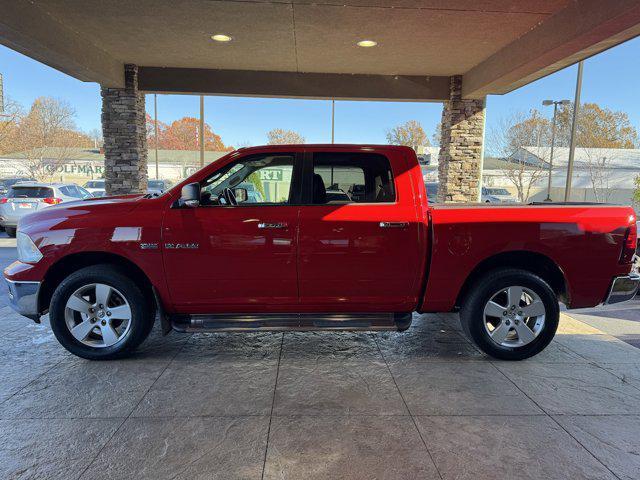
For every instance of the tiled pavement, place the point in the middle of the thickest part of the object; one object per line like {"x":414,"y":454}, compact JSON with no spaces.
{"x":419,"y":404}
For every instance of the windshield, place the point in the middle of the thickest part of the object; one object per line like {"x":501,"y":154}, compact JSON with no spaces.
{"x":155,"y":184}
{"x":432,"y":188}
{"x":497,"y":191}
{"x":94,"y":184}
{"x":30,"y":192}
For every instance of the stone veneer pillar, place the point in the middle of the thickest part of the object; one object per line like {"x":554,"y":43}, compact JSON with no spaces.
{"x":460,"y":159}
{"x":125,"y":136}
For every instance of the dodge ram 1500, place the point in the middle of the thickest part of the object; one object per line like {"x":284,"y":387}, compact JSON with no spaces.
{"x":209,"y":256}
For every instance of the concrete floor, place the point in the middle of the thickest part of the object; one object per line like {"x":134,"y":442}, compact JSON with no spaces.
{"x":419,"y":404}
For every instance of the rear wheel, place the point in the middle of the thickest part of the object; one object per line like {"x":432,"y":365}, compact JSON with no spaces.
{"x":11,"y":231}
{"x":99,"y":313}
{"x":510,"y":314}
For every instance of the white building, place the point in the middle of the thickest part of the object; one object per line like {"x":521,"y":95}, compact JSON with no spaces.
{"x":599,"y":174}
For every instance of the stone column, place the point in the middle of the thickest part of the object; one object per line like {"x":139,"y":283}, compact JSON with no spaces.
{"x":460,"y":158}
{"x":125,"y":136}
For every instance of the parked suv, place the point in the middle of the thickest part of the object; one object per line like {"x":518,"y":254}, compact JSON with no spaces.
{"x":95,"y":187}
{"x":6,"y":183}
{"x":497,"y":195}
{"x":158,"y":186}
{"x":27,"y":197}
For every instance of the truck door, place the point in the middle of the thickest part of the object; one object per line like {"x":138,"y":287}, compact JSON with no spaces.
{"x":359,"y":238}
{"x":237,"y":258}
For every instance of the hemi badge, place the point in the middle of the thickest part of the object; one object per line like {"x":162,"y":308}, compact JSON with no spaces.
{"x":148,"y":246}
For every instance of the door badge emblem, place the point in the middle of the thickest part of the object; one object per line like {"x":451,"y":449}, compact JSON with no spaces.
{"x":175,"y":246}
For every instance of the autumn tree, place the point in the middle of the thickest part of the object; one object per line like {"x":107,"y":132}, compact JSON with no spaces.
{"x":151,"y":131}
{"x":184,"y":134}
{"x":9,"y":118}
{"x":279,"y":136}
{"x":513,"y":133}
{"x":410,"y":134}
{"x":597,"y":127}
{"x":46,"y":137}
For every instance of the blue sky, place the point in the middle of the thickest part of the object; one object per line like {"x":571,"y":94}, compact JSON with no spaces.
{"x":610,"y":79}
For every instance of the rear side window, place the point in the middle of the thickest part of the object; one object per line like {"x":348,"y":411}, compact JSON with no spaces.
{"x":340,"y":178}
{"x":30,"y":192}
{"x":74,"y":191}
{"x":65,"y":191}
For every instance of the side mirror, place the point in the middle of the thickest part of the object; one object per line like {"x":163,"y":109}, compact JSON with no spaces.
{"x":241,"y":194}
{"x":190,"y":195}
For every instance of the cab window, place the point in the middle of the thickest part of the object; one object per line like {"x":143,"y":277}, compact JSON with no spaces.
{"x":340,"y":178}
{"x":255,"y":180}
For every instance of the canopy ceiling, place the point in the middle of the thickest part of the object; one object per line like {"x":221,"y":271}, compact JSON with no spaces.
{"x":497,"y":45}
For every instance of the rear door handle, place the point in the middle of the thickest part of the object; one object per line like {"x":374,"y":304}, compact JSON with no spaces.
{"x":272,"y":225}
{"x":394,"y":224}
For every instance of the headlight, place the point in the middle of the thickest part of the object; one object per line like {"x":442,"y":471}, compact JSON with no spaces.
{"x":27,"y":250}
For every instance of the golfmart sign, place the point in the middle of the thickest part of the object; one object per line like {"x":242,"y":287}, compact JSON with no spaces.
{"x":83,"y":170}
{"x":80,"y":171}
{"x":89,"y":170}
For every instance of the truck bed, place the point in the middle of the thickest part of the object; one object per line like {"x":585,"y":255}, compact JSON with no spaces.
{"x":466,"y":236}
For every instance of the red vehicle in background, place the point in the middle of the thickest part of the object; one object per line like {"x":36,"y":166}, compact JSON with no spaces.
{"x":207,"y":256}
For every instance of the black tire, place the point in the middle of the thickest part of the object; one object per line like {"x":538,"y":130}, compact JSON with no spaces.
{"x":472,"y":312}
{"x":142,"y":315}
{"x":11,"y":231}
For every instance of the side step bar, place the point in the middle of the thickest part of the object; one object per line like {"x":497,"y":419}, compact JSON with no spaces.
{"x":291,"y":321}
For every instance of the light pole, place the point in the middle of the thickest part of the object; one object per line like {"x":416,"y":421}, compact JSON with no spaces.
{"x":574,"y":127}
{"x":555,"y":104}
{"x":201,"y":137}
{"x":155,"y":128}
{"x":333,"y":120}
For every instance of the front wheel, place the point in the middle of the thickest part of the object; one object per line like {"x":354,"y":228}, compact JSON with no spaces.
{"x":510,"y":314}
{"x":99,"y":313}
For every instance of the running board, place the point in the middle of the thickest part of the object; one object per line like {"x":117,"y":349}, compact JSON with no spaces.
{"x":291,"y":321}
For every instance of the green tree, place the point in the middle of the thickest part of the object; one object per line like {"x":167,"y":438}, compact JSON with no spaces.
{"x":636,"y":192}
{"x":254,"y":179}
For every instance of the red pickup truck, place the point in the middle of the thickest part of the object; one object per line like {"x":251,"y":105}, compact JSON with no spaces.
{"x":314,"y":237}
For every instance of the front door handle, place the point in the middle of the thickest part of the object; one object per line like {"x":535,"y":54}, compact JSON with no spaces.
{"x":272,"y":225}
{"x":394,"y":224}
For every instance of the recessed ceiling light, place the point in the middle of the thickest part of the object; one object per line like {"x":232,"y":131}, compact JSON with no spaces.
{"x":221,"y":37}
{"x":367,"y":43}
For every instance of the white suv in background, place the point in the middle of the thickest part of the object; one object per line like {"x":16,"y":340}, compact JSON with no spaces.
{"x":95,"y":187}
{"x":27,"y":197}
{"x":497,"y":195}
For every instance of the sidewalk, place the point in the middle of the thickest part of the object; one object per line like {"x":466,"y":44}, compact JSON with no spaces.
{"x":420,"y":404}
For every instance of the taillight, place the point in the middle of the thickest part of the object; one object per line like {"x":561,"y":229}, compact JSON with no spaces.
{"x":630,"y":244}
{"x":52,"y":200}
{"x":3,"y":200}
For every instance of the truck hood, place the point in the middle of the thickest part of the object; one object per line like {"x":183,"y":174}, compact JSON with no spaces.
{"x":70,"y":214}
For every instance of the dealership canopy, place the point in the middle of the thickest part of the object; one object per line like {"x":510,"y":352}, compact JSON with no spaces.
{"x":312,"y":48}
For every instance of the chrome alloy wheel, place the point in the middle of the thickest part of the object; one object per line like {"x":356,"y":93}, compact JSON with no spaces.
{"x":98,"y":315}
{"x":514,"y":316}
